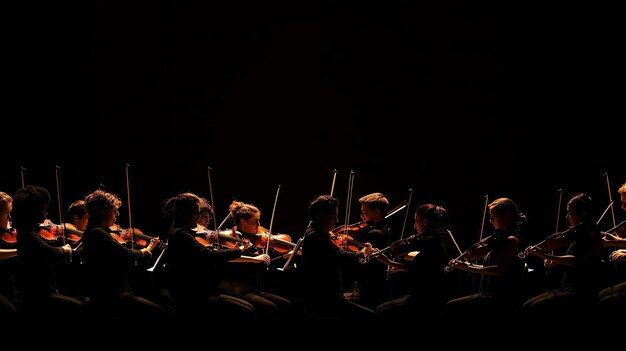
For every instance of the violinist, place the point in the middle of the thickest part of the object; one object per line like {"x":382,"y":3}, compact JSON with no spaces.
{"x":36,"y":283}
{"x":501,"y":270}
{"x":78,"y":216}
{"x":69,"y":272}
{"x":579,"y":287}
{"x":426,"y":271}
{"x":8,"y":235}
{"x":107,"y":263}
{"x":613,"y":298}
{"x":194,"y":269}
{"x":369,"y":287}
{"x":8,"y":294}
{"x":322,"y":260}
{"x":243,"y":279}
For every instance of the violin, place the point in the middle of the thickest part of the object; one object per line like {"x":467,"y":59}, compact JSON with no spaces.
{"x":281,"y":243}
{"x":55,"y":232}
{"x":207,"y":237}
{"x":554,"y":241}
{"x":479,"y":249}
{"x":343,"y":240}
{"x":8,"y":236}
{"x":127,"y":237}
{"x":353,"y":230}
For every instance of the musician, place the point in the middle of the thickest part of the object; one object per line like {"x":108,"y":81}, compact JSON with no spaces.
{"x":369,"y":288}
{"x":579,"y":287}
{"x":613,"y":298}
{"x":107,"y":263}
{"x":70,"y":272}
{"x":426,"y":271}
{"x":36,"y":257}
{"x":8,"y":294}
{"x":78,"y":216}
{"x":243,"y":279}
{"x":322,"y":290}
{"x":194,"y":270}
{"x":500,"y":270}
{"x":205,"y":214}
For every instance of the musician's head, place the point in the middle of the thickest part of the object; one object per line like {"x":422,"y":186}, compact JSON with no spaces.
{"x":324,"y":211}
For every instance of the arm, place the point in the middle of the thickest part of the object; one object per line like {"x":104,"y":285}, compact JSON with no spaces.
{"x":393,"y":264}
{"x":7,"y":253}
{"x":611,"y":240}
{"x":507,"y":252}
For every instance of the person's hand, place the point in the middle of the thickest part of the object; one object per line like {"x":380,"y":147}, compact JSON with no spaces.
{"x":153,"y":243}
{"x":67,"y":248}
{"x":263,"y":258}
{"x":618,"y":255}
{"x":367,"y":249}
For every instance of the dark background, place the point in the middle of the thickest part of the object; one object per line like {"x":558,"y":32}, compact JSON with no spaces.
{"x":454,"y":100}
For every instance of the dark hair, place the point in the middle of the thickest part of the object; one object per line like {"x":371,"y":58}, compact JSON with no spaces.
{"x":436,"y":216}
{"x":180,"y":202}
{"x":582,"y":203}
{"x":323,"y":204}
{"x":77,"y":208}
{"x":28,"y":202}
{"x":240,"y":210}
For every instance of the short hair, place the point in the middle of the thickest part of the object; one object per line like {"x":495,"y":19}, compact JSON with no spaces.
{"x":205,"y":205}
{"x":622,"y":189}
{"x":27,"y":204}
{"x":323,"y":204}
{"x":376,"y":201}
{"x":181,"y":202}
{"x":77,"y":208}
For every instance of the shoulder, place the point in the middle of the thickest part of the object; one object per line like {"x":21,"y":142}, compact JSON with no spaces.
{"x":95,"y":231}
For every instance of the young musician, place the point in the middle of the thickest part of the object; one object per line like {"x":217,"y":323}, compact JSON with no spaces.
{"x":426,"y":271}
{"x":322,"y":285}
{"x":37,"y":286}
{"x":194,"y":270}
{"x":500,"y":270}
{"x":108,"y":262}
{"x":579,"y":288}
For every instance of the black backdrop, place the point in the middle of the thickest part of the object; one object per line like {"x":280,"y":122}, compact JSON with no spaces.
{"x":454,"y":100}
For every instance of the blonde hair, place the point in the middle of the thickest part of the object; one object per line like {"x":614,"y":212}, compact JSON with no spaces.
{"x":506,"y":205}
{"x":5,"y":200}
{"x":622,"y":189}
{"x":376,"y":201}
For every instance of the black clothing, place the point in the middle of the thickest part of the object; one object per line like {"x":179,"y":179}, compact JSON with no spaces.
{"x":321,"y":275}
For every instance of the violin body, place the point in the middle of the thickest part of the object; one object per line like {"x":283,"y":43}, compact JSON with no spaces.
{"x":207,"y":237}
{"x":552,"y":242}
{"x":134,"y":237}
{"x":483,"y":247}
{"x":56,"y":233}
{"x":281,"y":243}
{"x":353,"y":230}
{"x":8,"y":238}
